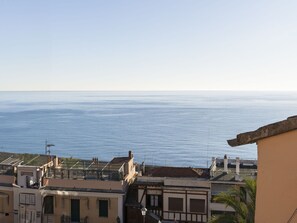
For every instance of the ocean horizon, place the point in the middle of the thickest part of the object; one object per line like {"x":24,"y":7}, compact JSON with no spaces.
{"x":176,"y":128}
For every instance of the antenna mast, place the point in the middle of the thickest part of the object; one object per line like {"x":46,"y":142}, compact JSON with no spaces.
{"x":47,"y":148}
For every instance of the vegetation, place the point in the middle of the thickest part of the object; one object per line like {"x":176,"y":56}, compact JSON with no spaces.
{"x":242,"y":200}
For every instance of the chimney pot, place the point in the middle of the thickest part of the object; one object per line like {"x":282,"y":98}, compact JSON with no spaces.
{"x":237,"y":170}
{"x":225,"y":164}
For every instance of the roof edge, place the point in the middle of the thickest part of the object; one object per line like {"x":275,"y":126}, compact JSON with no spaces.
{"x":263,"y":132}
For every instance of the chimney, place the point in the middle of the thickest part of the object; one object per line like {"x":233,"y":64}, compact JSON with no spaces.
{"x":56,"y":161}
{"x":225,"y":164}
{"x":143,"y":168}
{"x":237,"y":166}
{"x":130,"y":154}
{"x":213,"y":164}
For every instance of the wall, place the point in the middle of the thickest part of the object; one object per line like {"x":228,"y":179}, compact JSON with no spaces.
{"x":7,"y":179}
{"x":277,"y":178}
{"x":179,"y":188}
{"x":24,"y":172}
{"x":6,"y":205}
{"x":186,"y":196}
{"x":32,"y":207}
{"x":86,"y":184}
{"x":88,"y":205}
{"x":131,"y":171}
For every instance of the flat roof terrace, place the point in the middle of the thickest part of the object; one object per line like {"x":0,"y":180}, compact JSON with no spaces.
{"x":10,"y":160}
{"x":72,"y":168}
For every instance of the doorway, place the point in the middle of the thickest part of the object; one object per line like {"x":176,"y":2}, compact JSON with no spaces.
{"x":75,"y":210}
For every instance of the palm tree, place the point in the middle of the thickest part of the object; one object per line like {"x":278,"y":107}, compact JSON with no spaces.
{"x":242,"y":200}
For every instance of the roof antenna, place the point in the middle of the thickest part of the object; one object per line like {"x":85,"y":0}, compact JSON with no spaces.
{"x":207,"y":147}
{"x":47,"y":148}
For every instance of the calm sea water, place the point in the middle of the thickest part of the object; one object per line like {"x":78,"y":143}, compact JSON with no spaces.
{"x":165,"y":128}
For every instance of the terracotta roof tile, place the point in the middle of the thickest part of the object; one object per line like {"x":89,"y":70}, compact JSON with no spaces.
{"x":186,"y":172}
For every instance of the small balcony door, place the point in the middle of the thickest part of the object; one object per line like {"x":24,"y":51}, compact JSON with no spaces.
{"x":27,"y":215}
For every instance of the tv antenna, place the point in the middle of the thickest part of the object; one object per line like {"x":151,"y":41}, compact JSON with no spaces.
{"x":48,"y":148}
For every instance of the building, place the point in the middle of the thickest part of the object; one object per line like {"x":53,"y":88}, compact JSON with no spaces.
{"x":47,"y":189}
{"x":7,"y":179}
{"x":170,"y":194}
{"x":276,"y":199}
{"x":20,"y":179}
{"x":87,"y":190}
{"x":226,"y":173}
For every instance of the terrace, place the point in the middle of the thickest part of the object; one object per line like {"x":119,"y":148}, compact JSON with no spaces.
{"x":78,"y":169}
{"x":10,"y":160}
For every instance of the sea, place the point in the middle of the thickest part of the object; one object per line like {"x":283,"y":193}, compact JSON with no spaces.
{"x":183,"y":128}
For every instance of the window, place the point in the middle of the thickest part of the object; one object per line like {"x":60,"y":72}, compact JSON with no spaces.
{"x":27,"y":199}
{"x":49,"y":205}
{"x":154,"y":201}
{"x":197,"y":205}
{"x":175,"y":204}
{"x":103,"y":208}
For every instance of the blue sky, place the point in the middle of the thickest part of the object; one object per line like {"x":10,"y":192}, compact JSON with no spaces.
{"x":148,"y":45}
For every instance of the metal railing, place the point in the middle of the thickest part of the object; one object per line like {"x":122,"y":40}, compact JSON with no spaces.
{"x":185,"y":217}
{"x":67,"y":219}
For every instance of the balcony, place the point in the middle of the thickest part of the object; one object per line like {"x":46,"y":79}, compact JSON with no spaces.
{"x":67,"y":219}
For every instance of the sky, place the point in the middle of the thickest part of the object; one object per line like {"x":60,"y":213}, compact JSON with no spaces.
{"x":148,"y":45}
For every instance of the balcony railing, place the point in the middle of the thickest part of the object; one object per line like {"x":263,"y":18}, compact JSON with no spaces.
{"x":155,"y":210}
{"x":67,"y":219}
{"x":85,"y":174}
{"x":185,"y":217}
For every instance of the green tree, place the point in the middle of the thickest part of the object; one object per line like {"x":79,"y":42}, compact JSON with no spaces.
{"x":242,"y":200}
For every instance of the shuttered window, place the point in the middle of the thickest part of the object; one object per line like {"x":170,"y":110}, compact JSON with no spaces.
{"x":154,"y":201}
{"x":197,"y":205}
{"x":175,"y":204}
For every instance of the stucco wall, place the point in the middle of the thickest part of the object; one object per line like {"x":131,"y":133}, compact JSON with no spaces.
{"x":277,"y":178}
{"x":89,"y":205}
{"x":86,"y":184}
{"x":6,"y":205}
{"x":7,"y":179}
{"x":88,"y":208}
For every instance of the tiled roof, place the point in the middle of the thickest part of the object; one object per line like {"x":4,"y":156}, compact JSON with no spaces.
{"x":186,"y":172}
{"x":119,"y":160}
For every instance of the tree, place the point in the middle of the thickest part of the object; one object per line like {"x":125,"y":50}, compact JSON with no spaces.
{"x":242,"y":200}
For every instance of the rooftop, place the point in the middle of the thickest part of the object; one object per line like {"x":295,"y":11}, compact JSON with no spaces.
{"x":247,"y":168}
{"x":263,"y":132}
{"x":180,"y":172}
{"x":14,"y":159}
{"x":73,"y":168}
{"x":10,"y":160}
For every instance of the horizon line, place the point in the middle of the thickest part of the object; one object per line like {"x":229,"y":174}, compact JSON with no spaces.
{"x":179,"y":90}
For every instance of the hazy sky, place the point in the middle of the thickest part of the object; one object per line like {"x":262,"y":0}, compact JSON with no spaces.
{"x":148,"y":45}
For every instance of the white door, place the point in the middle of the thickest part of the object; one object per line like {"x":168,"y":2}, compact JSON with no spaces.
{"x":27,"y":215}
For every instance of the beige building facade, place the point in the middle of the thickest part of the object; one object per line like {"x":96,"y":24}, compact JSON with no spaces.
{"x":6,"y":203}
{"x":276,"y":199}
{"x":87,"y":191}
{"x":46,"y":189}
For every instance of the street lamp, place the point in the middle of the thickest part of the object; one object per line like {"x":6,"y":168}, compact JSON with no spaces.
{"x":143,"y":212}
